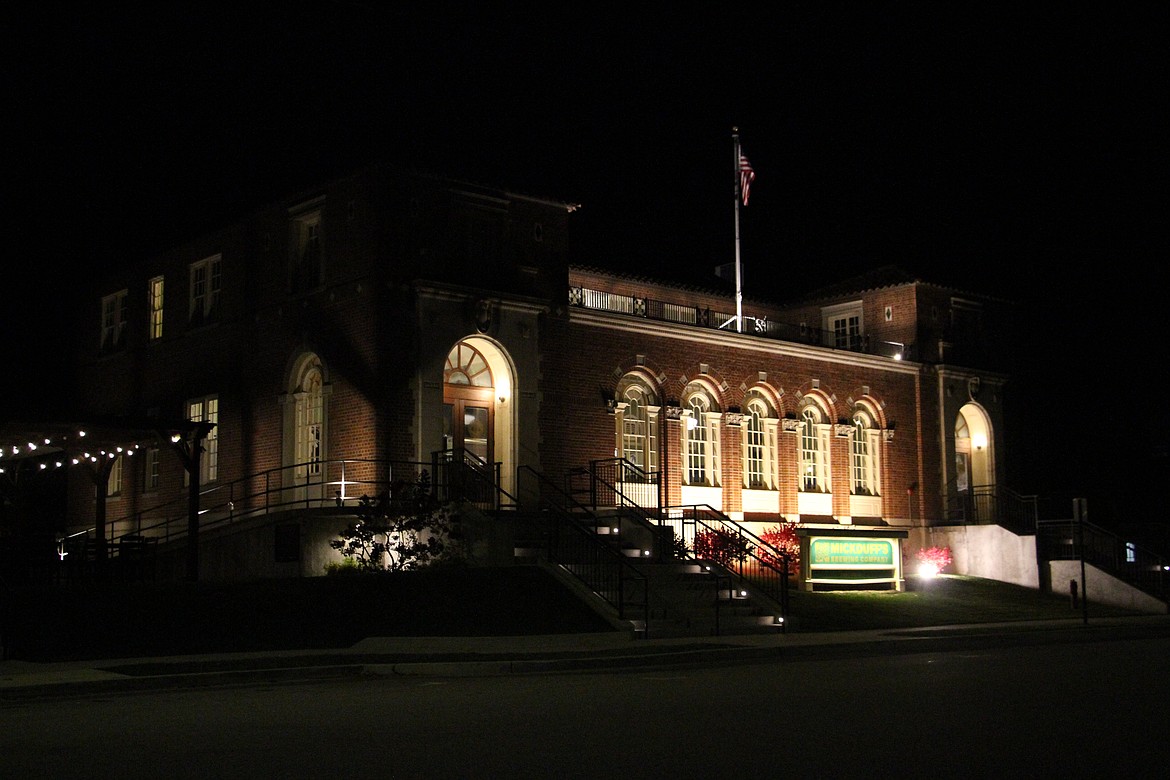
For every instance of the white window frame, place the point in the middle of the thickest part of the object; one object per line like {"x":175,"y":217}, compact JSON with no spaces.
{"x":864,"y":456}
{"x":843,"y":325}
{"x":206,"y":409}
{"x":205,"y":277}
{"x":309,"y":422}
{"x":154,"y":306}
{"x":636,"y":426}
{"x":113,"y":320}
{"x":700,"y":433}
{"x":114,"y":480}
{"x":759,"y":429}
{"x":814,"y":451}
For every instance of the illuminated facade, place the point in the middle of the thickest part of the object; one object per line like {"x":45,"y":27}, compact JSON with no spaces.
{"x":387,"y":317}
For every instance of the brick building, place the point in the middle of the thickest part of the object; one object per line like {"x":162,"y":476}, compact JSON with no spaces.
{"x":387,"y":317}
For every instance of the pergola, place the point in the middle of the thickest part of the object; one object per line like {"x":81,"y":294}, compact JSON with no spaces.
{"x":93,"y":445}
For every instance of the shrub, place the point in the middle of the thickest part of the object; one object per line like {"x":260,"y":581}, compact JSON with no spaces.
{"x":783,"y":547}
{"x":409,"y":530}
{"x":721,"y":546}
{"x":932,"y":560}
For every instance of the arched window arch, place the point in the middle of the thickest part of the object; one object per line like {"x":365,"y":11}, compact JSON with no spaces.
{"x":701,"y":423}
{"x":814,"y":448}
{"x":309,"y":420}
{"x":759,"y":429}
{"x":865,"y":454}
{"x":637,"y":424}
{"x":466,"y":366}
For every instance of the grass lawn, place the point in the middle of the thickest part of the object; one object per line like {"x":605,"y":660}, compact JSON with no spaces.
{"x":944,"y":600}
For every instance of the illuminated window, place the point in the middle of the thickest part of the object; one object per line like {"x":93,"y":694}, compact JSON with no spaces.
{"x":205,"y":289}
{"x":759,"y":445}
{"x":113,"y":321}
{"x":636,"y":418}
{"x":114,"y":481}
{"x":843,"y":325}
{"x":155,"y":307}
{"x":814,"y":450}
{"x":701,"y":434}
{"x":310,"y":422}
{"x":864,"y":455}
{"x":207,"y":410}
{"x":307,"y":252}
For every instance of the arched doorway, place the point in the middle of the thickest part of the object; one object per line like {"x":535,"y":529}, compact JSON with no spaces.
{"x":469,"y":402}
{"x":974,"y":463}
{"x":478,"y":407}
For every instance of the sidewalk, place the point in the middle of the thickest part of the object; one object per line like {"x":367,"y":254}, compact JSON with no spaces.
{"x":487,"y":656}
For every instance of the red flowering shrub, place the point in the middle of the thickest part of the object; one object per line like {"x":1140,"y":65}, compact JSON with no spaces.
{"x":720,"y":546}
{"x":786,"y":545}
{"x":936,"y":558}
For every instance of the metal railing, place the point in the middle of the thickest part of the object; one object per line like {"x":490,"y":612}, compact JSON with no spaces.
{"x":993,"y":505}
{"x":705,"y":317}
{"x":320,"y":485}
{"x":749,"y":559}
{"x":570,"y":533}
{"x":1060,"y":540}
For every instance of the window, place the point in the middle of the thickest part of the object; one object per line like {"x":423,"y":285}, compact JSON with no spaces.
{"x":701,"y":433}
{"x":113,"y":321}
{"x":114,"y":481}
{"x":864,"y":455}
{"x":205,"y":288}
{"x":207,"y":410}
{"x":154,"y":300}
{"x":310,"y":418}
{"x":814,"y":450}
{"x":150,"y":469}
{"x":843,"y":325}
{"x":307,"y":248}
{"x":637,"y":425}
{"x":759,"y":447}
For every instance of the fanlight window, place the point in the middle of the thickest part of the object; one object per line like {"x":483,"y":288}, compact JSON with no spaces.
{"x":466,"y":366}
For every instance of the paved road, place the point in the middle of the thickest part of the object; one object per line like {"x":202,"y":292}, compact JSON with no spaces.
{"x":1024,"y":709}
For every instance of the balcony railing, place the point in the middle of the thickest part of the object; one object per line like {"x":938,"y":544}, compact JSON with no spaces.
{"x":703,"y":317}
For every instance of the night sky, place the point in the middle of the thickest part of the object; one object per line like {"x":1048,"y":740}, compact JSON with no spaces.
{"x":1017,"y":149}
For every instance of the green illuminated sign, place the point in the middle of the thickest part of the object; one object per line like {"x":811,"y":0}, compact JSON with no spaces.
{"x":851,"y":552}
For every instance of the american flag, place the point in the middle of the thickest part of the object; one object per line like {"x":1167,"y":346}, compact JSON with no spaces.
{"x":746,"y":177}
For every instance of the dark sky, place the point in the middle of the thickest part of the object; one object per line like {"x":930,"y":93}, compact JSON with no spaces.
{"x":1017,"y":148}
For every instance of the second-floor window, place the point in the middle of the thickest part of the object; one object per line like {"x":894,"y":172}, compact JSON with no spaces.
{"x":113,"y":321}
{"x":154,"y":296}
{"x":843,"y":325}
{"x":205,"y":290}
{"x":307,"y":252}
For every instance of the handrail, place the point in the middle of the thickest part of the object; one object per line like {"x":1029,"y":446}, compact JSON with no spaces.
{"x":747,"y":565}
{"x":992,"y":505}
{"x":574,"y":545}
{"x":307,"y":486}
{"x":1060,"y":540}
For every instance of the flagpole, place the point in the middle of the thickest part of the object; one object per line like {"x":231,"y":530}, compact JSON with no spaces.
{"x":735,"y":193}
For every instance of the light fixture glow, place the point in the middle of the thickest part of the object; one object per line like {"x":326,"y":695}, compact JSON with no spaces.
{"x":175,"y":438}
{"x":928,"y":570}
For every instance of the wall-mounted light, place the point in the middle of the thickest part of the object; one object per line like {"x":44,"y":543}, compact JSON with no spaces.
{"x":979,"y":440}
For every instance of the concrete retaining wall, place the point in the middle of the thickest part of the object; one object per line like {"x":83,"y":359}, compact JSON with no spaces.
{"x":987,"y":551}
{"x":1103,"y":588}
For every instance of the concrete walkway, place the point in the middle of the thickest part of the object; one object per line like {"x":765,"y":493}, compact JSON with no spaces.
{"x":483,"y":656}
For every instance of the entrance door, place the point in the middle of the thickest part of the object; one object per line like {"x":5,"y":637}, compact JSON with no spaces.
{"x":469,"y":420}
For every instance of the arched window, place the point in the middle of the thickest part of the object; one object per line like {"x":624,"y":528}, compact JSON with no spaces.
{"x":639,"y":430}
{"x":309,"y":421}
{"x":864,"y":457}
{"x":701,"y":434}
{"x":814,"y":449}
{"x":759,"y":445}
